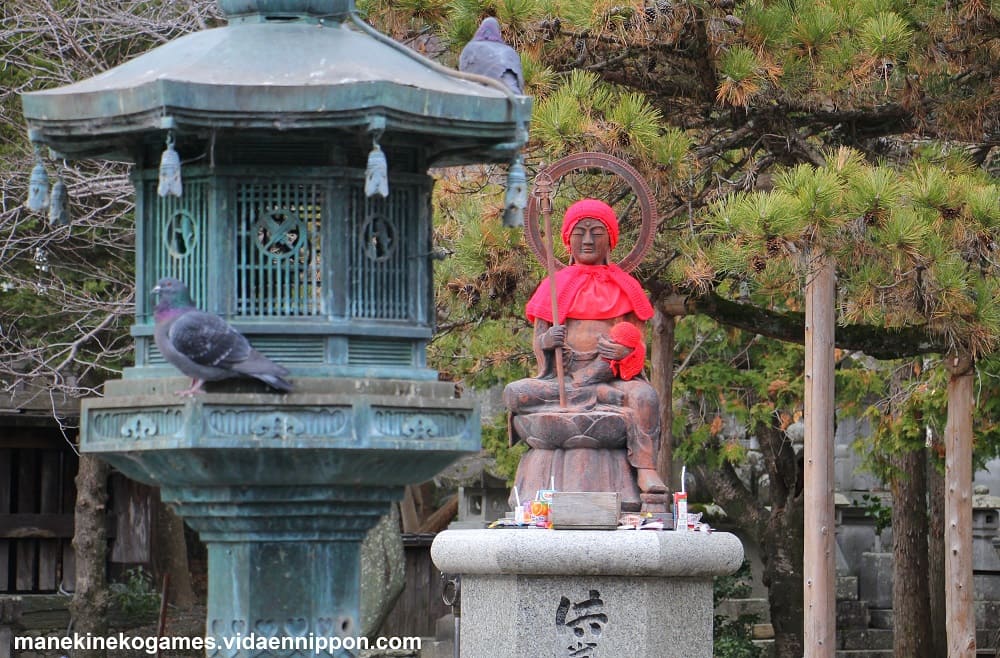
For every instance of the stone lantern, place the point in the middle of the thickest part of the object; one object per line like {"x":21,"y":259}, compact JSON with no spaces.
{"x":302,"y":215}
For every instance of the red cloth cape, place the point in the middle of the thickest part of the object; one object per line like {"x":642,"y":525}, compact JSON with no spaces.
{"x":590,"y":292}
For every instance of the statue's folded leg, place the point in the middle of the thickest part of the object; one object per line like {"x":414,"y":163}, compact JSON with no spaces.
{"x":641,"y":399}
{"x":580,"y":446}
{"x":531,"y":395}
{"x":526,"y":395}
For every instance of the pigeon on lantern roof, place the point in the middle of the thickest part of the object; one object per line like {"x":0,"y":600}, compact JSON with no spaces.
{"x":205,"y":347}
{"x":488,"y":55}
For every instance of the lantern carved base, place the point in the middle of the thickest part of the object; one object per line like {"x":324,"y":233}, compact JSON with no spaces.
{"x":281,"y":488}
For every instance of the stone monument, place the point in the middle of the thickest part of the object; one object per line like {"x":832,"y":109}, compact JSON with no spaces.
{"x":591,"y":420}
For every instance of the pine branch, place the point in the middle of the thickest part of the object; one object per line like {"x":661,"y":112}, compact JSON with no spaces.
{"x":878,"y":342}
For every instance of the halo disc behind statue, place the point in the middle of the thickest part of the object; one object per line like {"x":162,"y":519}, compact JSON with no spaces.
{"x":546,"y":186}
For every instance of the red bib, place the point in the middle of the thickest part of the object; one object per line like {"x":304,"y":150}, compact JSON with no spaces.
{"x":590,"y":292}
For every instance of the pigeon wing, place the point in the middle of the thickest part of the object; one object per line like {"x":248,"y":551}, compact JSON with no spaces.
{"x":493,"y":60}
{"x":208,"y":340}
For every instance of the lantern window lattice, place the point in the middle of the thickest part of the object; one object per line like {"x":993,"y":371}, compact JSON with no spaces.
{"x":302,"y":262}
{"x":381,"y":254}
{"x":278,"y":256}
{"x":181,"y":224}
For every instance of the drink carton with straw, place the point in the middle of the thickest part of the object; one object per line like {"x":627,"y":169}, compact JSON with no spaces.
{"x":522,"y":510}
{"x":541,"y":509}
{"x":681,"y":505}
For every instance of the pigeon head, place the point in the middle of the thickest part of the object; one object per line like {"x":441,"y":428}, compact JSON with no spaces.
{"x":489,"y":30}
{"x":172,"y":293}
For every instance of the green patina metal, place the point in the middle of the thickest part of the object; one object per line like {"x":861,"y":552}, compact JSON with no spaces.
{"x":319,"y":277}
{"x":299,"y":77}
{"x":273,"y":117}
{"x":277,"y":111}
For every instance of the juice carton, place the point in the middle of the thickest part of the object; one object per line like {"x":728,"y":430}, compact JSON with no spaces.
{"x":522,"y":513}
{"x":540,"y":513}
{"x":545,"y":495}
{"x":681,"y":511}
{"x":541,"y":508}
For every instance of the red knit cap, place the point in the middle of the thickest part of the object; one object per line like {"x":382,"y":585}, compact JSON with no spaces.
{"x":590,"y":209}
{"x":626,"y":333}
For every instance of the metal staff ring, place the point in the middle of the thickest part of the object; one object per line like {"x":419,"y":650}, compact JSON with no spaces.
{"x":541,"y":199}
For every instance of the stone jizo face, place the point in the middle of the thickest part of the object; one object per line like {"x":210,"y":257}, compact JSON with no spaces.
{"x":589,"y":242}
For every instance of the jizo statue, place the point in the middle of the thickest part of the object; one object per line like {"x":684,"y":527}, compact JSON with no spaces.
{"x":607,"y":436}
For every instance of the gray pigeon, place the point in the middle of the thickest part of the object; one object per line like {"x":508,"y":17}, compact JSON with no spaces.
{"x":203,"y":346}
{"x":488,"y":55}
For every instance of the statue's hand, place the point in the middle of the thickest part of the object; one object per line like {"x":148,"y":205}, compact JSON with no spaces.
{"x":554,"y":337}
{"x":609,"y":349}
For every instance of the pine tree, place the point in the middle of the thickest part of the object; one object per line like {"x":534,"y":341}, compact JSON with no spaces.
{"x":865,"y":129}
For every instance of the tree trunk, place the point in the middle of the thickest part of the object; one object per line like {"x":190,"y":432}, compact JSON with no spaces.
{"x":172,"y":556}
{"x":663,"y":382}
{"x":910,"y":586}
{"x":90,"y":541}
{"x":935,"y":551}
{"x":958,"y":510}
{"x":782,"y":541}
{"x":783,"y":575}
{"x":910,"y":589}
{"x":818,"y":553}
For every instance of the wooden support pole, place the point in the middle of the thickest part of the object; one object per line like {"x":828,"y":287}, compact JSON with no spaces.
{"x":663,"y":382}
{"x":440,"y":519}
{"x":818,"y":552}
{"x":10,"y":617}
{"x":961,"y":619}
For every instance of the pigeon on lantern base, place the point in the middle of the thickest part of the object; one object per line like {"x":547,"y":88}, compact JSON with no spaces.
{"x":205,"y":347}
{"x":488,"y":55}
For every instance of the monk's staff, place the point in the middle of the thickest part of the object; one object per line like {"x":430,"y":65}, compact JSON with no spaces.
{"x":543,"y":189}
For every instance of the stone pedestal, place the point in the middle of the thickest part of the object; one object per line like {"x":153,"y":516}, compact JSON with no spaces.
{"x":586,"y":593}
{"x":283,"y":562}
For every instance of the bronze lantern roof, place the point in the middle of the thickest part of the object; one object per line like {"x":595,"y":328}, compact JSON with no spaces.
{"x":281,"y":65}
